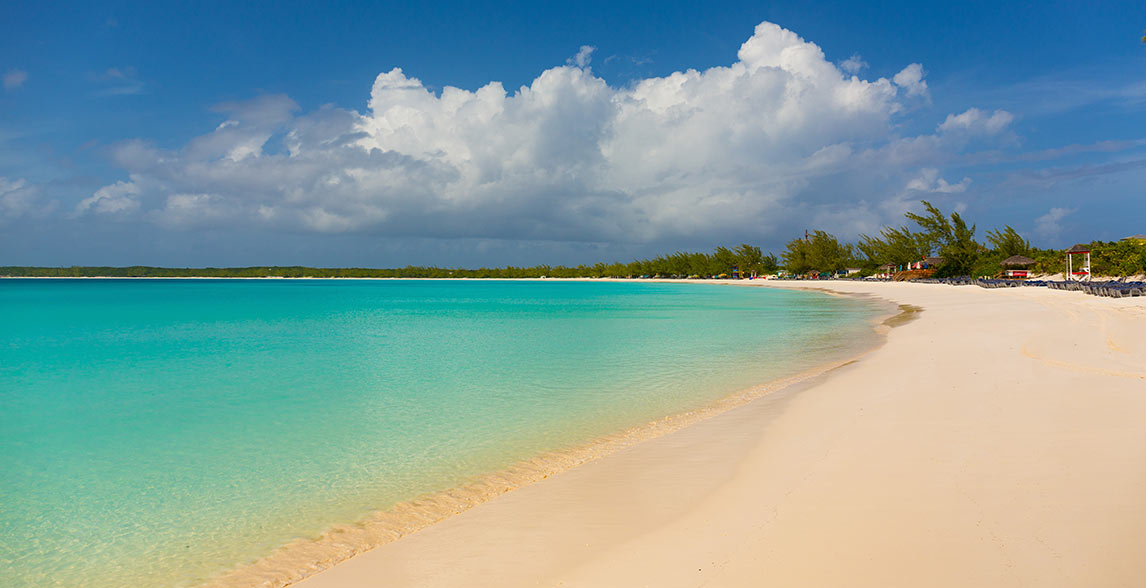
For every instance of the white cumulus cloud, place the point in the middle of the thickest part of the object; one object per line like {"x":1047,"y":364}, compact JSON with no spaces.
{"x":911,"y":80}
{"x":975,"y":121}
{"x":854,"y":64}
{"x":928,"y":180}
{"x":119,"y":197}
{"x":583,"y":57}
{"x":17,"y":198}
{"x":737,"y":149}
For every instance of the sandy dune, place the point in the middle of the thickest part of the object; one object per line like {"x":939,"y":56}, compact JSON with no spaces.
{"x":997,"y":440}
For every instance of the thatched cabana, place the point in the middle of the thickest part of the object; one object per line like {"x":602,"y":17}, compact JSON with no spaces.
{"x":1082,"y":272}
{"x":1017,"y":266}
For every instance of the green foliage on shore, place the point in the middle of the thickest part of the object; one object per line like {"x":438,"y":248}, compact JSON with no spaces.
{"x":1120,"y":258}
{"x":951,"y":238}
{"x":894,"y":245}
{"x":1009,"y":242}
{"x":747,"y":258}
{"x":820,"y":252}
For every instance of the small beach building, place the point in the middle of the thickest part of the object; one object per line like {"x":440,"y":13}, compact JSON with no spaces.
{"x":1078,"y":262}
{"x":1139,"y":239}
{"x":1017,"y":266}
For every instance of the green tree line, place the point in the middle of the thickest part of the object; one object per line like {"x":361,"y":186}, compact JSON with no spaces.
{"x":746,"y":259}
{"x":951,"y":238}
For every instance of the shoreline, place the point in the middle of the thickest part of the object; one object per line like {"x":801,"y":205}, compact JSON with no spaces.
{"x":303,"y":558}
{"x":993,"y":442}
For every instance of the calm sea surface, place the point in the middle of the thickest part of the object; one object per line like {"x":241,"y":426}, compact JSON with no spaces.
{"x":157,"y":432}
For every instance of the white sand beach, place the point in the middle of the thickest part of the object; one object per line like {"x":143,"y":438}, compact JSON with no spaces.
{"x":997,"y":440}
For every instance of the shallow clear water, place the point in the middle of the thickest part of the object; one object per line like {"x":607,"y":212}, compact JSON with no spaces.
{"x":155,"y":432}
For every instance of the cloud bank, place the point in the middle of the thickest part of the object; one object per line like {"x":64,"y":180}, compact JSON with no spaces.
{"x":19,"y":198}
{"x":780,"y":134}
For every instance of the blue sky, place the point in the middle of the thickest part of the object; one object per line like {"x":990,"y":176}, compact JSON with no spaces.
{"x":212,"y":133}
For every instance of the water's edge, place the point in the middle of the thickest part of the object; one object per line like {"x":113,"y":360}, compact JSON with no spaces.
{"x":305,"y":557}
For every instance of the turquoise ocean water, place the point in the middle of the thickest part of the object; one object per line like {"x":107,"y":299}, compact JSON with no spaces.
{"x":158,"y":432}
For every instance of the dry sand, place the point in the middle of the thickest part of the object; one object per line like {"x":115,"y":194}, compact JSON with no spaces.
{"x":997,"y":440}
